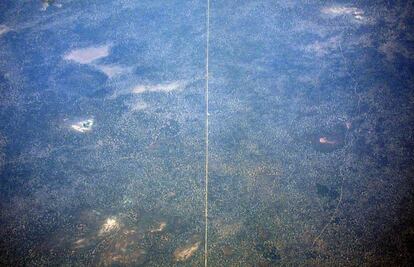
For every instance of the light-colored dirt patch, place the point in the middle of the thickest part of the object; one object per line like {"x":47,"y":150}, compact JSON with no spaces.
{"x":162,"y":87}
{"x":110,"y":225}
{"x":185,"y":252}
{"x":112,"y":70}
{"x":87,"y":55}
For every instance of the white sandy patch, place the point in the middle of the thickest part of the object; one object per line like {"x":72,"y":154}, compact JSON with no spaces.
{"x":47,"y":3}
{"x":83,"y":126}
{"x":340,"y":10}
{"x":112,"y":70}
{"x":159,"y":227}
{"x":110,"y":225}
{"x":3,"y":29}
{"x":335,"y":11}
{"x":87,"y":55}
{"x":162,"y":87}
